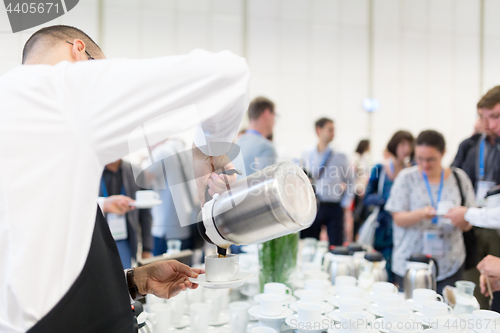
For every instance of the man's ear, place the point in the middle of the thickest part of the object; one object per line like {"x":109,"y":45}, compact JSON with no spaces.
{"x":78,"y":50}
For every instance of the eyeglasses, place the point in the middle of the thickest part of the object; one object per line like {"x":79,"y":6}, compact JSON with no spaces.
{"x":90,"y":57}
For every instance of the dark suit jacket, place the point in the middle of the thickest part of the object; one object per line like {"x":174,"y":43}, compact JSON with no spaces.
{"x":467,"y":159}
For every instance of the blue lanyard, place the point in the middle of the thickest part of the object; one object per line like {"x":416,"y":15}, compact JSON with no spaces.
{"x":481,"y":159}
{"x":426,"y":180}
{"x":391,"y":166}
{"x":251,"y":131}
{"x":105,"y":190}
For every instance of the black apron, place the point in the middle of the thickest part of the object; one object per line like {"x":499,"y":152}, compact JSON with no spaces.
{"x":98,"y":301}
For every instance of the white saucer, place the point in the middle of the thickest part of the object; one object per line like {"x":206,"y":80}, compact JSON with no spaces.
{"x":332,"y":290}
{"x":334,"y":300}
{"x":289,"y":300}
{"x":183,"y":323}
{"x":325,"y":307}
{"x":420,"y":319}
{"x":223,"y":319}
{"x":145,"y":204}
{"x":411,"y":304}
{"x":383,"y":325}
{"x":298,"y":292}
{"x":335,"y":315}
{"x":374,"y":309}
{"x":238,"y":282}
{"x":293,"y":322}
{"x":254,"y":311}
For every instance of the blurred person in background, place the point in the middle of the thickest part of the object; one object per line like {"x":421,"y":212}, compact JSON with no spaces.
{"x":334,"y":180}
{"x":171,"y":221}
{"x":255,"y":143}
{"x":118,"y":179}
{"x":257,"y":150}
{"x":361,"y":164}
{"x":413,"y":201}
{"x":400,"y":148}
{"x":479,"y":157}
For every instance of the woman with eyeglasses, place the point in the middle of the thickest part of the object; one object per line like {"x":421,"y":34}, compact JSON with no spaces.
{"x":419,"y":197}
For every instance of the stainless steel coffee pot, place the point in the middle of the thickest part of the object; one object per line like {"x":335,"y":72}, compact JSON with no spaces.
{"x":378,"y":270}
{"x":273,"y":202}
{"x":421,"y":272}
{"x":339,"y":262}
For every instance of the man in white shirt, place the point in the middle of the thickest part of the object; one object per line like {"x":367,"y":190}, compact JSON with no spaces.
{"x":62,"y":118}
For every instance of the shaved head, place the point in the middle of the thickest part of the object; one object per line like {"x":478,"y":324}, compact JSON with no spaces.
{"x":45,"y":39}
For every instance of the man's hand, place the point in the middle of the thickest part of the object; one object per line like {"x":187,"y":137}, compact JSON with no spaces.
{"x":165,"y":279}
{"x":456,"y":215}
{"x":489,"y":268}
{"x":427,"y":212}
{"x":117,"y":204}
{"x":206,"y":172}
{"x":146,"y":254}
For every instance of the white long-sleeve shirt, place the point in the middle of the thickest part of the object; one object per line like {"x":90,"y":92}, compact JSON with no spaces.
{"x":484,"y":217}
{"x":59,"y":126}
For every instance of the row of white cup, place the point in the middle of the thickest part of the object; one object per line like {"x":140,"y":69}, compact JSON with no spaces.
{"x":171,"y":313}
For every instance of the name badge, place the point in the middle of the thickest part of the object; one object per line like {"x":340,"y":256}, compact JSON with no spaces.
{"x":434,"y":243}
{"x":118,"y":226}
{"x":482,"y":189}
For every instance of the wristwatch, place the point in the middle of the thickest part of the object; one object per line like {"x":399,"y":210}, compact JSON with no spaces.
{"x":132,"y":287}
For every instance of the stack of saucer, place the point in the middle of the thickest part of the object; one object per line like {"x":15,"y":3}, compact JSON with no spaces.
{"x":312,"y":296}
{"x":271,"y":311}
{"x":275,"y":288}
{"x":308,"y":319}
{"x":349,"y":292}
{"x":350,"y":305}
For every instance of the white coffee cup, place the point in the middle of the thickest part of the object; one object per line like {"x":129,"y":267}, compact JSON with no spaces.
{"x":221,"y":269}
{"x":195,"y":295}
{"x":319,"y":285}
{"x":443,"y":207}
{"x":485,"y":320}
{"x":385,"y":300}
{"x":350,"y":305}
{"x":213,"y":297}
{"x":433,"y":309}
{"x":397,"y":315}
{"x":238,"y":316}
{"x":199,"y":316}
{"x":344,"y":280}
{"x":423,"y":295}
{"x":277,"y":289}
{"x":383,"y":288}
{"x":152,"y":299}
{"x":353,"y":322}
{"x":311,"y":296}
{"x":351,"y":292}
{"x":162,"y":316}
{"x":271,"y":305}
{"x":146,"y":196}
{"x":315,"y":274}
{"x":309,"y":314}
{"x":179,"y":307}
